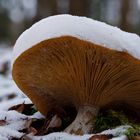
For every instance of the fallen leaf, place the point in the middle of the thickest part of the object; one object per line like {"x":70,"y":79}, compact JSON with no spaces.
{"x":136,"y":138}
{"x":32,"y":130}
{"x":23,"y":108}
{"x":19,"y":108}
{"x":3,"y":122}
{"x":55,"y":122}
{"x":101,"y":137}
{"x":11,"y":96}
{"x":52,"y":124}
{"x":29,"y":122}
{"x":26,"y":137}
{"x":4,"y":68}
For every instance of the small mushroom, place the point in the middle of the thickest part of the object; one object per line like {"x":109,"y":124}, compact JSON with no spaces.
{"x":75,"y":61}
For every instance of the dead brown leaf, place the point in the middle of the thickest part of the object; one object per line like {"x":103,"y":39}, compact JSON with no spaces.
{"x":26,"y":137}
{"x":32,"y":130}
{"x":11,"y":96}
{"x":28,"y":123}
{"x":3,"y":122}
{"x":55,"y":122}
{"x":52,"y":124}
{"x":19,"y":108}
{"x":136,"y":138}
{"x":101,"y":137}
{"x":23,"y":108}
{"x":4,"y":68}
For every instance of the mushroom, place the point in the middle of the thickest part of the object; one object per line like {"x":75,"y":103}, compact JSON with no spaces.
{"x":68,"y":60}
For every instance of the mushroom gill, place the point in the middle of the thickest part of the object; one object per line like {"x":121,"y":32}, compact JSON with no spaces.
{"x":68,"y":71}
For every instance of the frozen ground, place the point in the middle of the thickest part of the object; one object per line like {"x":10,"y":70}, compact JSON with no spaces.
{"x":12,"y":101}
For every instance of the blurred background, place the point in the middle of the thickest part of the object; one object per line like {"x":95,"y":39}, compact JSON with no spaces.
{"x":18,"y":15}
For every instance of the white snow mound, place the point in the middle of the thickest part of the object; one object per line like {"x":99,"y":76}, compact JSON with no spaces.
{"x":81,"y":27}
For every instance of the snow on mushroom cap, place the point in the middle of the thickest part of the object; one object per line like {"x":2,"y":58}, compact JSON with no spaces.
{"x":81,"y":27}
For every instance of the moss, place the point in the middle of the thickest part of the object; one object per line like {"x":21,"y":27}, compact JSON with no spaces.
{"x":132,"y":132}
{"x":29,"y":110}
{"x":111,"y":119}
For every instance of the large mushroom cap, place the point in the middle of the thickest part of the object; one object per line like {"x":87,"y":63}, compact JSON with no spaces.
{"x":67,"y":60}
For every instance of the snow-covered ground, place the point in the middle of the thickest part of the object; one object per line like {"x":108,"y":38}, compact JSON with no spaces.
{"x":12,"y":121}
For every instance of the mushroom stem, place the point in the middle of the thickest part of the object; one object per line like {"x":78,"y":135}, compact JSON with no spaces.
{"x":84,"y":121}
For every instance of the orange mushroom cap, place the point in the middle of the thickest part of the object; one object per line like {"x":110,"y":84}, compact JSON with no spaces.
{"x":67,"y":69}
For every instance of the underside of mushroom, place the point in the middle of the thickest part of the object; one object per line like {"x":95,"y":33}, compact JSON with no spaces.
{"x":68,"y":71}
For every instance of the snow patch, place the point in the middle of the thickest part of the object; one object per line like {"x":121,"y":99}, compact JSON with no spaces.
{"x":81,"y":27}
{"x":7,"y":133}
{"x":117,"y":131}
{"x":65,"y":136}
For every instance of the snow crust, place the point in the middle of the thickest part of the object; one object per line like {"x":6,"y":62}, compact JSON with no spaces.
{"x":81,"y":27}
{"x":117,"y":131}
{"x":7,"y":133}
{"x":65,"y":136}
